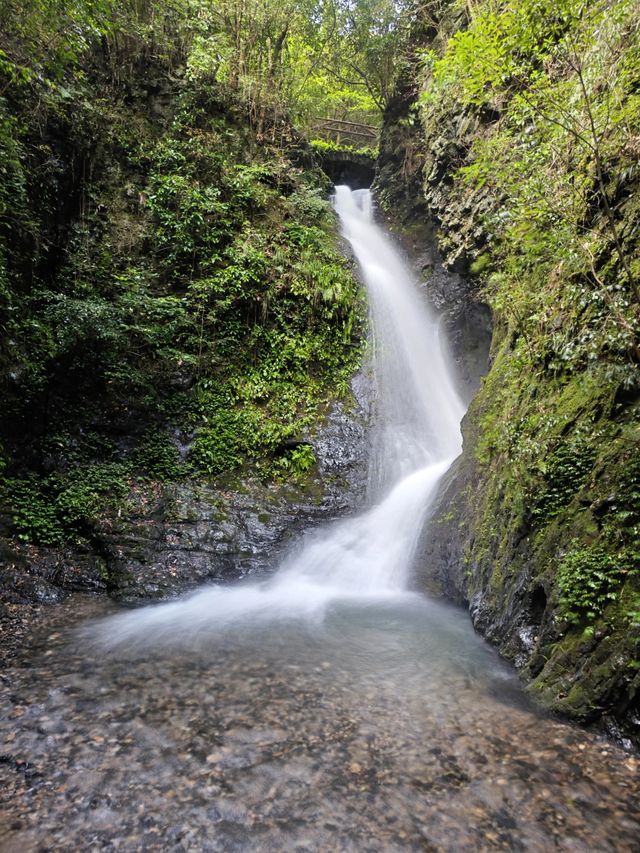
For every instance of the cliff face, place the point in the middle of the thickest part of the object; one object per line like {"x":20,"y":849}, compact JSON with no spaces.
{"x":178,"y":322}
{"x":397,"y":188}
{"x":532,"y":188}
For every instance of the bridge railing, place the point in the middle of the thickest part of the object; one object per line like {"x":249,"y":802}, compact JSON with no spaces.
{"x":343,"y":132}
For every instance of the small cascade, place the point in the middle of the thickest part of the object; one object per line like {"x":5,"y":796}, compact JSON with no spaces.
{"x":416,"y":437}
{"x":418,"y":408}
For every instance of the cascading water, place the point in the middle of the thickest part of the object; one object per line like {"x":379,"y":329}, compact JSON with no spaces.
{"x":418,"y":409}
{"x":416,"y":437}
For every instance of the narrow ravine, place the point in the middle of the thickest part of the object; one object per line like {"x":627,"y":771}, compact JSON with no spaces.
{"x":416,"y":437}
{"x":327,"y":708}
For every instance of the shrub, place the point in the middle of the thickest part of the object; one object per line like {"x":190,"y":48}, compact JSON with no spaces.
{"x":589,"y":578}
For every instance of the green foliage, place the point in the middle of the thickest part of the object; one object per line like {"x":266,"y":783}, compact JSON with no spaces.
{"x":310,"y":204}
{"x":53,"y":509}
{"x":323,"y":145}
{"x":218,"y":447}
{"x":177,"y":270}
{"x":317,"y":59}
{"x":296,"y":57}
{"x":558,"y":83}
{"x":157,"y":457}
{"x":12,"y":178}
{"x":565,"y":471}
{"x":298,"y":461}
{"x":589,"y":579}
{"x":504,"y":44}
{"x":35,"y":517}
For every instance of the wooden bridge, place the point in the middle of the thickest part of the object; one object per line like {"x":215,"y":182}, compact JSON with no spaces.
{"x":346,"y":132}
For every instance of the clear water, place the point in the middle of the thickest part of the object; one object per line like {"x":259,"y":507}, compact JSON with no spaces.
{"x":390,"y":726}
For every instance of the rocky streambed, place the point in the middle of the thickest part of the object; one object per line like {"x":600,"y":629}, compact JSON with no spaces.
{"x":387,"y":727}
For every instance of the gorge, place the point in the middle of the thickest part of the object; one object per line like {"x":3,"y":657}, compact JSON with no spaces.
{"x":319,"y":507}
{"x":327,"y":705}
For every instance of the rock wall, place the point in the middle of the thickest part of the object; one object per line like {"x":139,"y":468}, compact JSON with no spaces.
{"x":182,"y":330}
{"x":536,"y":527}
{"x":174,"y":536}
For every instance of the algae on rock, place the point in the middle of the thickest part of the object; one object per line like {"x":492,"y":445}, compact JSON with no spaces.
{"x":178,"y":308}
{"x":528,"y":120}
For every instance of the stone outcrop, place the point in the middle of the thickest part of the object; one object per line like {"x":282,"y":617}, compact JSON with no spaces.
{"x":174,"y":536}
{"x":502,"y":529}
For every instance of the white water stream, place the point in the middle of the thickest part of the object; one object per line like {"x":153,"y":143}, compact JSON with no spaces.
{"x":416,"y":437}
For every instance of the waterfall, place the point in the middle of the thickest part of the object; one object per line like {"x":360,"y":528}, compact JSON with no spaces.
{"x":418,"y":409}
{"x":416,"y":437}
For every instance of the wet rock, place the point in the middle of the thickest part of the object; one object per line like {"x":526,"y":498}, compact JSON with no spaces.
{"x":22,"y":586}
{"x":176,"y":536}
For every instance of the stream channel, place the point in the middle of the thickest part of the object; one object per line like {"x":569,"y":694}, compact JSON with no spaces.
{"x":326,"y":708}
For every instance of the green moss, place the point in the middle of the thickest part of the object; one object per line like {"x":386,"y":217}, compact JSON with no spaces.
{"x":186,"y":280}
{"x":588,"y":579}
{"x":480,"y":265}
